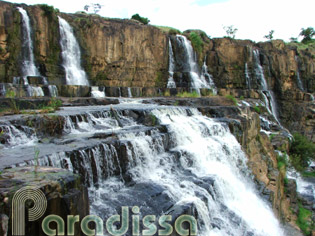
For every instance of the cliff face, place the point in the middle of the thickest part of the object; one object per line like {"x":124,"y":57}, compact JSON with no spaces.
{"x":121,"y":52}
{"x":126,"y":53}
{"x":114,"y":52}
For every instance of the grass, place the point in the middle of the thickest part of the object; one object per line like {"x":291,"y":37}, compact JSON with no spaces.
{"x":193,"y":94}
{"x":232,"y":99}
{"x":303,"y":46}
{"x":169,"y":30}
{"x":303,"y":220}
{"x":167,"y":93}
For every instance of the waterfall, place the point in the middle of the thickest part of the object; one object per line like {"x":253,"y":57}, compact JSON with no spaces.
{"x":207,"y":77}
{"x":53,"y":90}
{"x":32,"y":91}
{"x":96,"y":93}
{"x":267,"y":94}
{"x":247,"y":77}
{"x":28,"y":62}
{"x":2,"y":90}
{"x":188,"y":163}
{"x":15,"y":137}
{"x":205,"y":168}
{"x":129,"y":92}
{"x":171,"y":83}
{"x":298,"y":77}
{"x":71,"y":55}
{"x":197,"y":81}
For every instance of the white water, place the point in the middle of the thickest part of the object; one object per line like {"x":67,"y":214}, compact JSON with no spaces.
{"x":129,"y":92}
{"x":197,"y":81}
{"x":171,"y":83}
{"x":208,"y":77}
{"x":96,"y":93}
{"x":15,"y":137}
{"x":2,"y":90}
{"x":53,"y":90}
{"x":268,"y":94}
{"x":206,"y":150}
{"x":71,"y":55}
{"x":28,"y":62}
{"x":304,"y":187}
{"x":247,"y":77}
{"x":34,"y":91}
{"x":298,"y":77}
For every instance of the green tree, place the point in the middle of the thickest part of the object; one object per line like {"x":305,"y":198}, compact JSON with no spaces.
{"x":270,"y":35}
{"x":301,"y":151}
{"x":230,"y":31}
{"x":141,"y":19}
{"x":307,"y":34}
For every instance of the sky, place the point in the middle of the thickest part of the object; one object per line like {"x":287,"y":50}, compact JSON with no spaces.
{"x":253,"y":18}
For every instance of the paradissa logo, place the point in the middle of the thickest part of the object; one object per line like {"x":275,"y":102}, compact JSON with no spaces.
{"x":40,"y":204}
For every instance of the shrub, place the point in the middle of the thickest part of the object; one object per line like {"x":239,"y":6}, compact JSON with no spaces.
{"x":196,"y":41}
{"x":48,"y":10}
{"x":232,"y":98}
{"x":301,"y":150}
{"x":169,"y":30}
{"x":257,"y":109}
{"x":140,"y":19}
{"x":167,"y":93}
{"x":307,"y":34}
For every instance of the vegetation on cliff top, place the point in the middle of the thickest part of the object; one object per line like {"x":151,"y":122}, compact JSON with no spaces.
{"x":196,"y":41}
{"x":140,"y":19}
{"x":169,"y":30}
{"x":307,"y":34}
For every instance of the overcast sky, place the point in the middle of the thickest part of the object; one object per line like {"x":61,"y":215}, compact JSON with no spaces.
{"x":252,"y":18}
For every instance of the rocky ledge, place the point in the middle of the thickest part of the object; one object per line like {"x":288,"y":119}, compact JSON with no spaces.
{"x":63,"y":190}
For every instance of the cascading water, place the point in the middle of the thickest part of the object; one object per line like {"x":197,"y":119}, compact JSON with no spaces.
{"x":96,"y":93}
{"x":129,"y":92}
{"x":247,"y":77}
{"x":211,"y":176}
{"x":2,"y":90}
{"x":266,"y":93}
{"x":208,"y":77}
{"x":71,"y":55}
{"x":188,"y":161}
{"x":298,"y":77}
{"x":197,"y":81}
{"x":171,"y":83}
{"x":53,"y":90}
{"x":28,"y":62}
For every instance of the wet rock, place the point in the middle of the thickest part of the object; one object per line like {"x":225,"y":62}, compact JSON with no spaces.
{"x":64,"y":193}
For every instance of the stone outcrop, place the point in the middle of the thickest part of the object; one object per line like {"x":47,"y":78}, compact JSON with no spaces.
{"x":63,"y":190}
